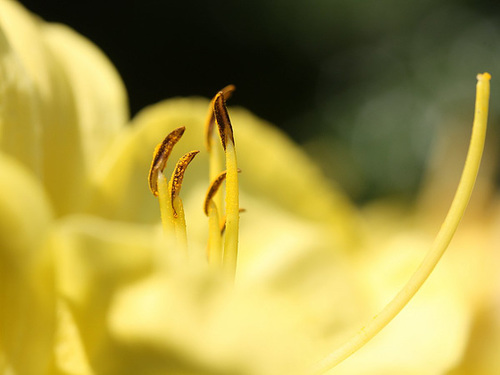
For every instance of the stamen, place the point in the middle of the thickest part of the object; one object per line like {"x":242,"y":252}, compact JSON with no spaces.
{"x":232,"y":193}
{"x":214,"y":248}
{"x":160,"y":157}
{"x":441,"y":242}
{"x":222,"y":120}
{"x":212,"y":189}
{"x":176,"y":209}
{"x":215,"y":155}
{"x":171,"y":209}
{"x":227,"y":92}
{"x":178,"y":176}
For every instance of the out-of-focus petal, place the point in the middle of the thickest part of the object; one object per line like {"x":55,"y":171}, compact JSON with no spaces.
{"x":26,"y":279}
{"x":98,"y":93}
{"x":70,"y":357}
{"x":95,"y":258}
{"x":481,"y":354}
{"x":190,"y":322}
{"x":431,"y":334}
{"x":62,"y":103}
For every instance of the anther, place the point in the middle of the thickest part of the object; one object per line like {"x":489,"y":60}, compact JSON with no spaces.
{"x":227,"y":92}
{"x":222,"y":120}
{"x":212,"y":190}
{"x":160,"y":156}
{"x":178,"y":176}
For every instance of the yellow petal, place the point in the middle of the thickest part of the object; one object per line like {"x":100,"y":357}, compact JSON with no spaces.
{"x":95,"y":258}
{"x":481,"y":354}
{"x":431,"y":334}
{"x":69,"y":352}
{"x":62,"y":102}
{"x":26,"y":281}
{"x":191,"y":324}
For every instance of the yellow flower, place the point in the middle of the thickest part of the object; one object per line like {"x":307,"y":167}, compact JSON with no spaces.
{"x":92,"y":281}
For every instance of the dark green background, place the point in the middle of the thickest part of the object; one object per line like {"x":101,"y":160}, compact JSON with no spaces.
{"x":369,"y":87}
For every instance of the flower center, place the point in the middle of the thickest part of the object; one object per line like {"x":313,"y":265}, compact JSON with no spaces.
{"x":223,"y":217}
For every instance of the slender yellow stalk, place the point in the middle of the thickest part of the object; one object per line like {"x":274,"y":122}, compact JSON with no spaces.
{"x":215,"y":168}
{"x":232,"y":191}
{"x":174,"y":188}
{"x":232,"y":210}
{"x":166,"y":210}
{"x":441,"y":242}
{"x":180,"y":225}
{"x":173,"y":221}
{"x":214,"y":250}
{"x":214,"y":156}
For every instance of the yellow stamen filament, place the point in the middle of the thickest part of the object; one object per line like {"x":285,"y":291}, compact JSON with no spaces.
{"x":214,"y":249}
{"x":223,"y":226}
{"x":171,"y":208}
{"x":232,"y":192}
{"x":441,"y":242}
{"x":166,"y":209}
{"x":160,"y":157}
{"x":179,"y":224}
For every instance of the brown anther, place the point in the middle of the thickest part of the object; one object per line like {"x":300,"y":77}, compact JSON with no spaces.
{"x":160,"y":157}
{"x":178,"y":176}
{"x":212,"y":190}
{"x":222,"y":120}
{"x":227,"y":92}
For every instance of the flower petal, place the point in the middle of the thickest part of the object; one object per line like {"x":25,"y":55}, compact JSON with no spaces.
{"x":431,"y":333}
{"x":62,"y":102}
{"x":26,"y":281}
{"x":189,"y":322}
{"x":95,"y":259}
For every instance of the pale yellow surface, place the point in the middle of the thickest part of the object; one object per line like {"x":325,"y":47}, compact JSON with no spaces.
{"x":89,"y":285}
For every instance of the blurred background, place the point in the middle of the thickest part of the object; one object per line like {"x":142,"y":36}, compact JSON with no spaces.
{"x":370,"y":88}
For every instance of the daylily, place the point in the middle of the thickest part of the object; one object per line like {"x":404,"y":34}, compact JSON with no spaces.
{"x":92,"y":281}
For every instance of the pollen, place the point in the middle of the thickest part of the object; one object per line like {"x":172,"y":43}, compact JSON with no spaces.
{"x":160,"y":157}
{"x":178,"y":176}
{"x":227,"y":92}
{"x":222,"y":120}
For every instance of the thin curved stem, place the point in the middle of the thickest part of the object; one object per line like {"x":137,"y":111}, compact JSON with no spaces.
{"x":443,"y":238}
